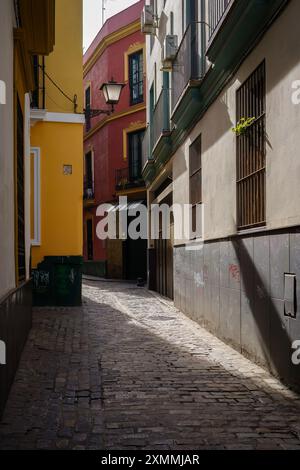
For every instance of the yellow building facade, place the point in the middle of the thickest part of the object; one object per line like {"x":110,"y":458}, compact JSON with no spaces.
{"x":27,"y":29}
{"x":57,"y":141}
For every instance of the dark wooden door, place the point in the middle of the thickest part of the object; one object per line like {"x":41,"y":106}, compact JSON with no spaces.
{"x":164,"y":250}
{"x":135,"y":259}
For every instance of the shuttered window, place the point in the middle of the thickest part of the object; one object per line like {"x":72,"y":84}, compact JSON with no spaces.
{"x":251,"y":152}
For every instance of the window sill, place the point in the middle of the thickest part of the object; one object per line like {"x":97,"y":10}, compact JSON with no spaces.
{"x":135,"y":103}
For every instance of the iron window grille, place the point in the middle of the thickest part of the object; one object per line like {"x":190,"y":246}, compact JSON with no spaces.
{"x":251,"y":151}
{"x":195,"y":158}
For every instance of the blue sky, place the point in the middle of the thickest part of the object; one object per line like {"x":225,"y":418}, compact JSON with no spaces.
{"x":92,"y":16}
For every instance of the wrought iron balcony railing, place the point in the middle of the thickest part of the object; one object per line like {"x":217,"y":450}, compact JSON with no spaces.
{"x":189,"y":62}
{"x":216,"y":13}
{"x":161,"y":117}
{"x":88,"y":191}
{"x":130,"y":177}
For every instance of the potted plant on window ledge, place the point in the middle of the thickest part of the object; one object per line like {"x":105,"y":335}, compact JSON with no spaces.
{"x":243,"y":125}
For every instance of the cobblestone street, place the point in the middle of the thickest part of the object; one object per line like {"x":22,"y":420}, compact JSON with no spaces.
{"x":128,"y":371}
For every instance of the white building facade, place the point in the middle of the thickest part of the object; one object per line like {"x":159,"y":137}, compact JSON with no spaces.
{"x":236,"y":63}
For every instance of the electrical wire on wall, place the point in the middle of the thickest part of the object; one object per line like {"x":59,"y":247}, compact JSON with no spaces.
{"x":65,"y":110}
{"x":72,"y":100}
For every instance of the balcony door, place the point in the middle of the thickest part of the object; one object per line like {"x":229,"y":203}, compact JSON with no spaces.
{"x":89,"y":180}
{"x":164,"y":252}
{"x":136,"y":78}
{"x":135,"y":140}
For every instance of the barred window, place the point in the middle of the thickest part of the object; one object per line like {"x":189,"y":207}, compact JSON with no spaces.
{"x":195,"y":179}
{"x":251,"y":151}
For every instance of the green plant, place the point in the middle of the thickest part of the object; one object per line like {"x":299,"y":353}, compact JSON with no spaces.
{"x":243,"y":125}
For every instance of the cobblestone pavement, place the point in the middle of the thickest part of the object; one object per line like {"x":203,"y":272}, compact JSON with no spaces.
{"x":128,"y":371}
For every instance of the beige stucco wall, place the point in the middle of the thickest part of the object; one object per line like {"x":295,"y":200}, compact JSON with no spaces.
{"x":7,"y":253}
{"x":67,"y":50}
{"x":283,"y":120}
{"x":283,"y":137}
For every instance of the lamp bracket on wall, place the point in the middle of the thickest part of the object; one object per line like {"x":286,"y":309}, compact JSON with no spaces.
{"x":91,"y":113}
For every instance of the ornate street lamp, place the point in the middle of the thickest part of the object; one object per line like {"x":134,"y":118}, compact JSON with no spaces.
{"x":112,"y":94}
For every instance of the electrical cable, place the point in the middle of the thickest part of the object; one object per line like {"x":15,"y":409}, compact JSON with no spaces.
{"x":56,"y":104}
{"x":73,"y":101}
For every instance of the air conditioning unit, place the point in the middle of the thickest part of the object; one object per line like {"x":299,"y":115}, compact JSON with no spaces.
{"x":148,"y":20}
{"x":170,"y":50}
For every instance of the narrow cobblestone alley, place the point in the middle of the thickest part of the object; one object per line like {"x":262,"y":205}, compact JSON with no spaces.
{"x":128,"y":371}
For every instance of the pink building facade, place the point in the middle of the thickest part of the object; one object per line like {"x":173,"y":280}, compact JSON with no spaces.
{"x":113,"y":144}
